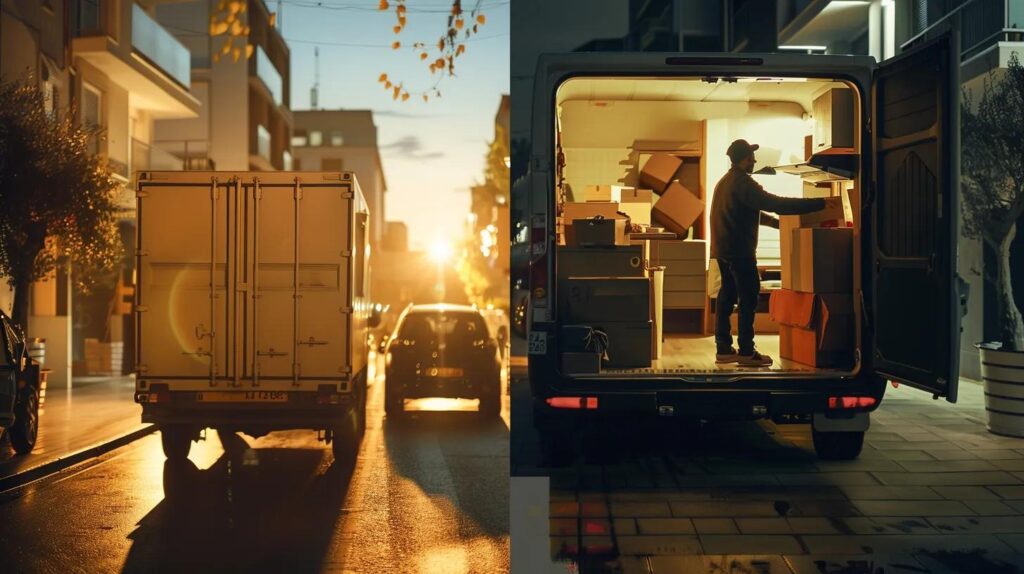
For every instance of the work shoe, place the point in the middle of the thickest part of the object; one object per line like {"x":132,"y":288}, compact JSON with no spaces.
{"x":727,"y":356}
{"x":754,"y":359}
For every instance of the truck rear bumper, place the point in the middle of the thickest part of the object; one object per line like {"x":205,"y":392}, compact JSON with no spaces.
{"x":301,"y":412}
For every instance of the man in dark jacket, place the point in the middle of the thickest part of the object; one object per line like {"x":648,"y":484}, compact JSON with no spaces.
{"x":736,"y":211}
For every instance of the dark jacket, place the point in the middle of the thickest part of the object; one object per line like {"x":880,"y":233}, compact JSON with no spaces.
{"x":736,"y":212}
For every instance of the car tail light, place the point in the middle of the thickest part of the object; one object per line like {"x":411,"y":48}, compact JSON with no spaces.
{"x":851,"y":402}
{"x":572,"y":402}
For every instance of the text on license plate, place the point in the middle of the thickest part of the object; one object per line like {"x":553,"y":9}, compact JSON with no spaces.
{"x":242,"y":397}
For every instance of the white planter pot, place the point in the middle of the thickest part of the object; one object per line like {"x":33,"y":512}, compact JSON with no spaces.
{"x":1002,"y":373}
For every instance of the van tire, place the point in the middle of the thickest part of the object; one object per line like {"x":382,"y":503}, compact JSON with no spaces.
{"x":844,"y":445}
{"x":176,"y":441}
{"x":346,"y":439}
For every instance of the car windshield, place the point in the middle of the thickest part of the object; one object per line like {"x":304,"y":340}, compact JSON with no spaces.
{"x":424,"y":326}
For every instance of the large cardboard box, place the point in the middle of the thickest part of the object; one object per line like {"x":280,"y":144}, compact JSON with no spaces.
{"x":604,"y":193}
{"x":677,"y":209}
{"x":590,"y":300}
{"x":629,"y":343}
{"x":598,"y":232}
{"x":833,"y":215}
{"x":816,"y":329}
{"x":636,"y":203}
{"x":658,"y":171}
{"x":822,"y":260}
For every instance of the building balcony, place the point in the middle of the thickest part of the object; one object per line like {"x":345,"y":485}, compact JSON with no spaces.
{"x":820,"y":23}
{"x":124,"y":42}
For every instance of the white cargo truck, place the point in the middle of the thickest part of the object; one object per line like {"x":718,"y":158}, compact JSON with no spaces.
{"x":252,"y":305}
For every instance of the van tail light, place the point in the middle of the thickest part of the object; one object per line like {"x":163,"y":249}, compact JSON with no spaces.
{"x":851,"y":402}
{"x":158,"y":393}
{"x":572,"y":402}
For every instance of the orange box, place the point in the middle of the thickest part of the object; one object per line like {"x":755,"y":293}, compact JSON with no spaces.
{"x":815,"y":329}
{"x":677,"y":209}
{"x":659,"y":170}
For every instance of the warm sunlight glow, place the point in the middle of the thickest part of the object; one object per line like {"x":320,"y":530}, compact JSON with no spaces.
{"x":441,"y":251}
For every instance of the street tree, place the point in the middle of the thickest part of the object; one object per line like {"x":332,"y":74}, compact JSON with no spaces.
{"x":57,"y":198}
{"x":993,"y":183}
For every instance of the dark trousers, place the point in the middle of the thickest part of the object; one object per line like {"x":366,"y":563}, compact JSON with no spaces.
{"x":740,"y":283}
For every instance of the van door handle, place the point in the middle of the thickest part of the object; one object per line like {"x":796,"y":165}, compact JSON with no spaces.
{"x":312,"y":342}
{"x":271,"y":353}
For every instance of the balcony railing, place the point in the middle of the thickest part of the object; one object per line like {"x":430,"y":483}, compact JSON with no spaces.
{"x":982,"y":23}
{"x":161,"y":48}
{"x":172,"y":155}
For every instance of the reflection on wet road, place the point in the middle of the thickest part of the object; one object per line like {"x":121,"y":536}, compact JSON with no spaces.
{"x":427,"y":493}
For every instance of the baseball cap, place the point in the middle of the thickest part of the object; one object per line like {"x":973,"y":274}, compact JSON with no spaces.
{"x":740,"y":149}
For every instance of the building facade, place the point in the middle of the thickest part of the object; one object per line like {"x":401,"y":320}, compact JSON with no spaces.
{"x":241,"y":74}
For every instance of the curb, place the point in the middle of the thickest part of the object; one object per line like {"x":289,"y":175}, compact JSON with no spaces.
{"x":24,"y":477}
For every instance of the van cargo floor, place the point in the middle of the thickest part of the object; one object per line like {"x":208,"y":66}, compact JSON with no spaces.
{"x":696,"y":354}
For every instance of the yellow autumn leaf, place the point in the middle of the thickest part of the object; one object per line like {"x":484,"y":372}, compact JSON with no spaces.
{"x":405,"y":96}
{"x":440,"y":44}
{"x":460,"y":23}
{"x":397,"y":90}
{"x":396,"y":45}
{"x":383,"y":78}
{"x":273,"y":19}
{"x":423,"y":55}
{"x":481,"y":19}
{"x":248,"y":51}
{"x":236,"y":6}
{"x":425,"y":97}
{"x":383,"y":5}
{"x":400,"y":9}
{"x":227,"y":47}
{"x":216,"y":57}
{"x":439,"y":62}
{"x":460,"y":49}
{"x":218,"y":28}
{"x":236,"y":28}
{"x":387,"y":85}
{"x":236,"y":54}
{"x":397,"y":29}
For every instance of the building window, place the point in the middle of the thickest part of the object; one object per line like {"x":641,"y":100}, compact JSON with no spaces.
{"x":287,"y":161}
{"x":330,"y":164}
{"x":316,"y":138}
{"x":271,"y":78}
{"x":337,"y":140}
{"x":92,"y":114}
{"x":300,"y":139}
{"x":263,"y":142}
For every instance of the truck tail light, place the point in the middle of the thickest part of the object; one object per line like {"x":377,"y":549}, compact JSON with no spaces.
{"x":158,"y":393}
{"x":851,"y":402}
{"x":572,"y":402}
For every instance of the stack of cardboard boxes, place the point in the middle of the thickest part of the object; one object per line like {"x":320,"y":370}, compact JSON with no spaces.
{"x":814,"y":308}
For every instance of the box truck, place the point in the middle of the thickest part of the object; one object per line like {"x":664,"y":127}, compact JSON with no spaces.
{"x":892,"y":138}
{"x":252,"y":306}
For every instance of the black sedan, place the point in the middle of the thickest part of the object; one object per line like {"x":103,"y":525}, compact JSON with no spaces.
{"x":441,"y":351}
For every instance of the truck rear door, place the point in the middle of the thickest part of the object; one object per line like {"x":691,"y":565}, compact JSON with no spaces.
{"x":914,"y":213}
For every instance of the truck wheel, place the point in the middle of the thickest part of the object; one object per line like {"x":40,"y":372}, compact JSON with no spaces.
{"x":490,"y":402}
{"x":361,"y":412}
{"x":345,"y":443}
{"x":844,"y":445}
{"x":176,"y":440}
{"x":25,"y":429}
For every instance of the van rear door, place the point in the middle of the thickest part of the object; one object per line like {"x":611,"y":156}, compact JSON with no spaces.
{"x":913,"y":219}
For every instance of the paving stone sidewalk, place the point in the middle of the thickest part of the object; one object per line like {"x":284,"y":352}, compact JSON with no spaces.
{"x":933,"y":491}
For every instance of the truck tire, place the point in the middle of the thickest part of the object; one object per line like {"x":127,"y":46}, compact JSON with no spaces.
{"x":490,"y":401}
{"x":361,"y":411}
{"x":176,"y":441}
{"x":25,"y":429}
{"x":345,"y":443}
{"x":394,"y":403}
{"x":844,"y":445}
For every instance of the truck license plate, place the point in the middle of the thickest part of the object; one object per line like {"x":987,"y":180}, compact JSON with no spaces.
{"x":242,"y":397}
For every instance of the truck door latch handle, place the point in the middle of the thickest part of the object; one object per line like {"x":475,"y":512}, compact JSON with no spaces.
{"x":271,"y":353}
{"x":312,"y":342}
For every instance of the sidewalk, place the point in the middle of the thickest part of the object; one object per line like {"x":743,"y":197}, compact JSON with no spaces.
{"x":96,"y":410}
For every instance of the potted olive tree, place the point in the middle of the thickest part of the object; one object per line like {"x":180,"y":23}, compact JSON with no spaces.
{"x":992,"y":206}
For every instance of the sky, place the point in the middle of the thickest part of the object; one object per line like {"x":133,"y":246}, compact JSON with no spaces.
{"x":432,"y":152}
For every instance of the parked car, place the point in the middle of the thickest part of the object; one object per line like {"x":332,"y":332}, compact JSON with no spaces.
{"x":19,"y":389}
{"x":441,"y":351}
{"x":907,"y":296}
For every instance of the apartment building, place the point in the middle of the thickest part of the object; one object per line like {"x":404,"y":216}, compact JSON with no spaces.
{"x":241,"y":75}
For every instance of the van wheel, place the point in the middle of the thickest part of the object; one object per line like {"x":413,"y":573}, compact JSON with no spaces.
{"x":345,"y":443}
{"x":844,"y":445}
{"x":176,"y":441}
{"x":25,"y":429}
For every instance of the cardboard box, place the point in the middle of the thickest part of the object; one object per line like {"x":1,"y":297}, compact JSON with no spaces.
{"x":581,"y":363}
{"x":603,"y":193}
{"x":598,"y":232}
{"x":636,"y":203}
{"x":579,"y":210}
{"x":822,"y":260}
{"x":591,"y":300}
{"x":634,"y":195}
{"x":834,"y":215}
{"x":658,"y":171}
{"x":677,"y":209}
{"x":815,"y":329}
{"x":629,"y":343}
{"x":690,"y":250}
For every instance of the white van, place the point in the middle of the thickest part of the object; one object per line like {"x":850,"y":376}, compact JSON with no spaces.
{"x":596,"y":114}
{"x":252,"y":308}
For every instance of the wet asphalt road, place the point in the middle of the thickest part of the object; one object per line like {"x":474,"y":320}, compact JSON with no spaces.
{"x":427,"y":494}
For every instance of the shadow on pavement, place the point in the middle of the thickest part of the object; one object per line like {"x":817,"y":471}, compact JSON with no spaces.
{"x":474,"y":450}
{"x":271,"y":509}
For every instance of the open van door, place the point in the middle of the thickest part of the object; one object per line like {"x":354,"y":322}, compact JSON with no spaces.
{"x":915,"y":141}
